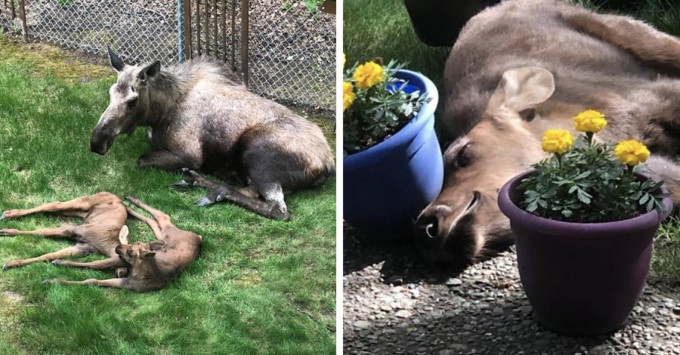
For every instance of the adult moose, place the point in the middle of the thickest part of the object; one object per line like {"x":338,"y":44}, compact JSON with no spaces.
{"x":527,"y":65}
{"x":202,"y":118}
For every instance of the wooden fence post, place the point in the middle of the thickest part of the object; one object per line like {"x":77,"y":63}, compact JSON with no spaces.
{"x":188,"y":49}
{"x":22,"y":15}
{"x":198,"y":27}
{"x":233,"y":35}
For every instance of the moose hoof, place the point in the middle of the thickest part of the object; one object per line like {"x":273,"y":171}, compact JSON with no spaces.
{"x":5,"y":267}
{"x":204,"y":202}
{"x":57,"y":262}
{"x":2,"y":216}
{"x":182,"y":184}
{"x":121,"y":272}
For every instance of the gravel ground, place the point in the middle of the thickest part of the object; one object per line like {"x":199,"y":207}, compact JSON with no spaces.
{"x":396,"y":304}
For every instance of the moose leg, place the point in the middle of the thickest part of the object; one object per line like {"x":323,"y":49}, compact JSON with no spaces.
{"x":150,"y":222}
{"x":161,"y":218}
{"x":115,"y":283}
{"x":65,"y":231}
{"x":663,"y":169}
{"x":96,"y":265}
{"x":77,"y":208}
{"x":77,"y":250}
{"x":162,"y":159}
{"x":270,"y":207}
{"x":635,"y":36}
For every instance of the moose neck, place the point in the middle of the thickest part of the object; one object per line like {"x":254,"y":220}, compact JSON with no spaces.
{"x":166,"y":91}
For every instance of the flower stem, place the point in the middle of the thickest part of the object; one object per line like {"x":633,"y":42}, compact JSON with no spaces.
{"x":589,"y":136}
{"x":559,"y":161}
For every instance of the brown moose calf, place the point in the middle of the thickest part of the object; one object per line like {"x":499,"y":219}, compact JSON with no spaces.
{"x":152,"y":265}
{"x":103,"y":230}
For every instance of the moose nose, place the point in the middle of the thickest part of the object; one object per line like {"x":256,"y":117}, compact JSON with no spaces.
{"x":442,"y":226}
{"x":428,"y":223}
{"x":431,"y":221}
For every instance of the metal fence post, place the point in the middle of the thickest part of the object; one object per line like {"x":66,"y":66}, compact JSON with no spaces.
{"x":244,"y":40}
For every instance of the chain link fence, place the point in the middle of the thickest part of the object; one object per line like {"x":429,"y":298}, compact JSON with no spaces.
{"x":290,"y":48}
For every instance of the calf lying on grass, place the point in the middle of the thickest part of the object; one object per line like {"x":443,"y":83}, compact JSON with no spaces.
{"x":103,"y":230}
{"x":152,"y":265}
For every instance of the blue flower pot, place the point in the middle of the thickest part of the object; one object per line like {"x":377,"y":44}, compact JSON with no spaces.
{"x":387,"y":185}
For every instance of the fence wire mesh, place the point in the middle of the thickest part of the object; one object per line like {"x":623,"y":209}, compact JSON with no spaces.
{"x":291,"y":53}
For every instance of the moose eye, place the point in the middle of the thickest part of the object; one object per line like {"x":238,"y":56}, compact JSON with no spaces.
{"x":132,"y":103}
{"x":463,"y":157}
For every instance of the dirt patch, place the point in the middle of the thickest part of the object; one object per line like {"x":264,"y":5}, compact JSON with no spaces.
{"x":12,"y":296}
{"x":72,"y":66}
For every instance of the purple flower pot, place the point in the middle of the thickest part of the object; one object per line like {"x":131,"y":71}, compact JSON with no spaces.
{"x":387,"y":185}
{"x":580,"y":278}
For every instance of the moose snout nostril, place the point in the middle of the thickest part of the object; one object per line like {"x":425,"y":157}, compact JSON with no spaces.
{"x":431,"y":229}
{"x":428,"y":224}
{"x":476,"y":196}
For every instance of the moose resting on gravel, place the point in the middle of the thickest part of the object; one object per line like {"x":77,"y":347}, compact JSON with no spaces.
{"x":202,"y":118}
{"x":522,"y":67}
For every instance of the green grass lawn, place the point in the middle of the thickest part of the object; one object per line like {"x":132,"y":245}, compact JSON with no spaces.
{"x":259,"y":286}
{"x":381,"y":28}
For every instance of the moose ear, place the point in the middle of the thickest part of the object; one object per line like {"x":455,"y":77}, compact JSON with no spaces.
{"x":149,"y":71}
{"x":147,"y":254}
{"x":157,"y":245}
{"x":524,"y":88}
{"x":123,"y":235}
{"x":116,"y":62}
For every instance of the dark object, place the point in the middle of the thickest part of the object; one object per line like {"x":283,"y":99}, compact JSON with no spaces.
{"x":438,"y":22}
{"x":580,"y":278}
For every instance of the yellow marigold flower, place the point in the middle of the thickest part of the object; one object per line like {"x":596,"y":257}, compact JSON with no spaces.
{"x":557,"y":141}
{"x":589,"y":121}
{"x":368,"y":74}
{"x":631,"y":152}
{"x":348,"y":95}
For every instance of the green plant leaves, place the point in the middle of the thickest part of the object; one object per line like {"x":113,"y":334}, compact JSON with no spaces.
{"x":587,"y":184}
{"x":380,"y":111}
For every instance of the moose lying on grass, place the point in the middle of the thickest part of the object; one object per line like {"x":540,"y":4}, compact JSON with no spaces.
{"x":202,"y":118}
{"x":103,"y":230}
{"x":522,"y":67}
{"x":140,"y":267}
{"x":152,"y":265}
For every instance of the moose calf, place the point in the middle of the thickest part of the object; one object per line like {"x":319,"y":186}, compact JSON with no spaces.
{"x":103,"y":230}
{"x":152,"y":265}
